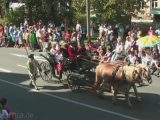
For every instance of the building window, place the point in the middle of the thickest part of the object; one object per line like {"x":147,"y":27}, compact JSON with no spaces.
{"x":154,"y":4}
{"x":141,"y":5}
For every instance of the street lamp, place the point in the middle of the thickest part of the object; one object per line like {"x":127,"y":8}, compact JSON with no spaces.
{"x":88,"y":19}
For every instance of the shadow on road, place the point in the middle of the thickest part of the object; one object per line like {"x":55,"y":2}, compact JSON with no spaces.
{"x":147,"y":109}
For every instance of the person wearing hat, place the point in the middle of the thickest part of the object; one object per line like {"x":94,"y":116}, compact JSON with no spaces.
{"x":72,"y":50}
{"x":3,"y":113}
{"x":33,"y":66}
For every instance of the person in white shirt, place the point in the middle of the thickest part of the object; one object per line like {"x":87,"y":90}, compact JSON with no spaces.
{"x":3,"y":113}
{"x":63,"y":29}
{"x":147,"y":57}
{"x":131,"y":58}
{"x":39,"y":39}
{"x":78,"y":26}
{"x":118,"y":51}
{"x":53,"y":50}
{"x":127,"y":45}
{"x":101,"y":31}
{"x":58,"y":56}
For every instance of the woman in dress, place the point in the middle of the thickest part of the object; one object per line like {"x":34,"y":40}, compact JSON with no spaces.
{"x":91,"y":29}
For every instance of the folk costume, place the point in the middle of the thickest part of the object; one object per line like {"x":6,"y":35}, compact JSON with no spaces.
{"x":33,"y":67}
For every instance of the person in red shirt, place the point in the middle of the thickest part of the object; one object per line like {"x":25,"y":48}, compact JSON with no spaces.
{"x":45,"y":40}
{"x":151,"y":31}
{"x":67,"y":36}
{"x":72,"y":50}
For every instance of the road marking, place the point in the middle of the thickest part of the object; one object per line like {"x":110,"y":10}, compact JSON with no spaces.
{"x":22,"y":66}
{"x":4,"y":70}
{"x":18,"y":55}
{"x":24,"y":56}
{"x":72,"y":101}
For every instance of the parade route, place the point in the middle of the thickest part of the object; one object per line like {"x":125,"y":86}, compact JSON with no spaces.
{"x":55,"y":101}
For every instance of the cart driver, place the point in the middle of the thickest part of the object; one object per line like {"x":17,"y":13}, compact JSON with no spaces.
{"x":72,"y":50}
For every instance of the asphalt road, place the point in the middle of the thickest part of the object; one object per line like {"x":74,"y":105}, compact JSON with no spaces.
{"x":57,"y":102}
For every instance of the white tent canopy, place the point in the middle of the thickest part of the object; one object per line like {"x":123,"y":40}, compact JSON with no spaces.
{"x":15,"y":5}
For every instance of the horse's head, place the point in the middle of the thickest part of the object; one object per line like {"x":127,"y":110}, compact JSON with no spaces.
{"x":137,"y":76}
{"x":146,"y":73}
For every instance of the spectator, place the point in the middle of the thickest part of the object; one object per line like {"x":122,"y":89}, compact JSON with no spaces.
{"x":106,"y":58}
{"x":32,"y":40}
{"x":127,"y":45}
{"x":78,"y":26}
{"x":118,"y":51}
{"x":62,"y":29}
{"x":121,"y":32}
{"x":45,"y":40}
{"x":9,"y":42}
{"x":6,"y":29}
{"x":74,"y":35}
{"x":139,"y":33}
{"x":131,"y":58}
{"x":155,"y":58}
{"x":3,"y":102}
{"x":67,"y":36}
{"x":20,"y":39}
{"x":150,"y":31}
{"x":3,"y":113}
{"x":2,"y":40}
{"x":101,"y":31}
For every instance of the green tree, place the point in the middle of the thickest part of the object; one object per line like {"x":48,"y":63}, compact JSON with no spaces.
{"x":111,"y":10}
{"x":30,"y":4}
{"x":16,"y":17}
{"x":45,"y":10}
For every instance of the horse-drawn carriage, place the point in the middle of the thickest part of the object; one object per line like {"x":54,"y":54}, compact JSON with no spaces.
{"x":79,"y":72}
{"x":83,"y":75}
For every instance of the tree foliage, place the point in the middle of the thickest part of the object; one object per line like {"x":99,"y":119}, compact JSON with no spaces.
{"x":111,"y":10}
{"x":46,"y":10}
{"x":16,"y":17}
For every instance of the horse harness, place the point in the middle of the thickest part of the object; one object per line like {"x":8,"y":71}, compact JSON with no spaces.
{"x":115,"y":72}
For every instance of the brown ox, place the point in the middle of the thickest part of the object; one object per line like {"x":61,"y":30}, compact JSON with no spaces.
{"x":104,"y":76}
{"x":146,"y":73}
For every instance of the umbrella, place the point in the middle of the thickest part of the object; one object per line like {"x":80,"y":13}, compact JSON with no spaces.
{"x":148,"y":41}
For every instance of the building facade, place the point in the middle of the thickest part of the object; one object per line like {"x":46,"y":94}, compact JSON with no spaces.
{"x":148,"y":10}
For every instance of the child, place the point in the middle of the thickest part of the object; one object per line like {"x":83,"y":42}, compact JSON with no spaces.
{"x":95,"y":56}
{"x":58,"y":57}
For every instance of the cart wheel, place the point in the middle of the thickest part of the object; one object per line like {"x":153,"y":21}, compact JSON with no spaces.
{"x":66,"y":72}
{"x":46,"y":73}
{"x":71,"y":83}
